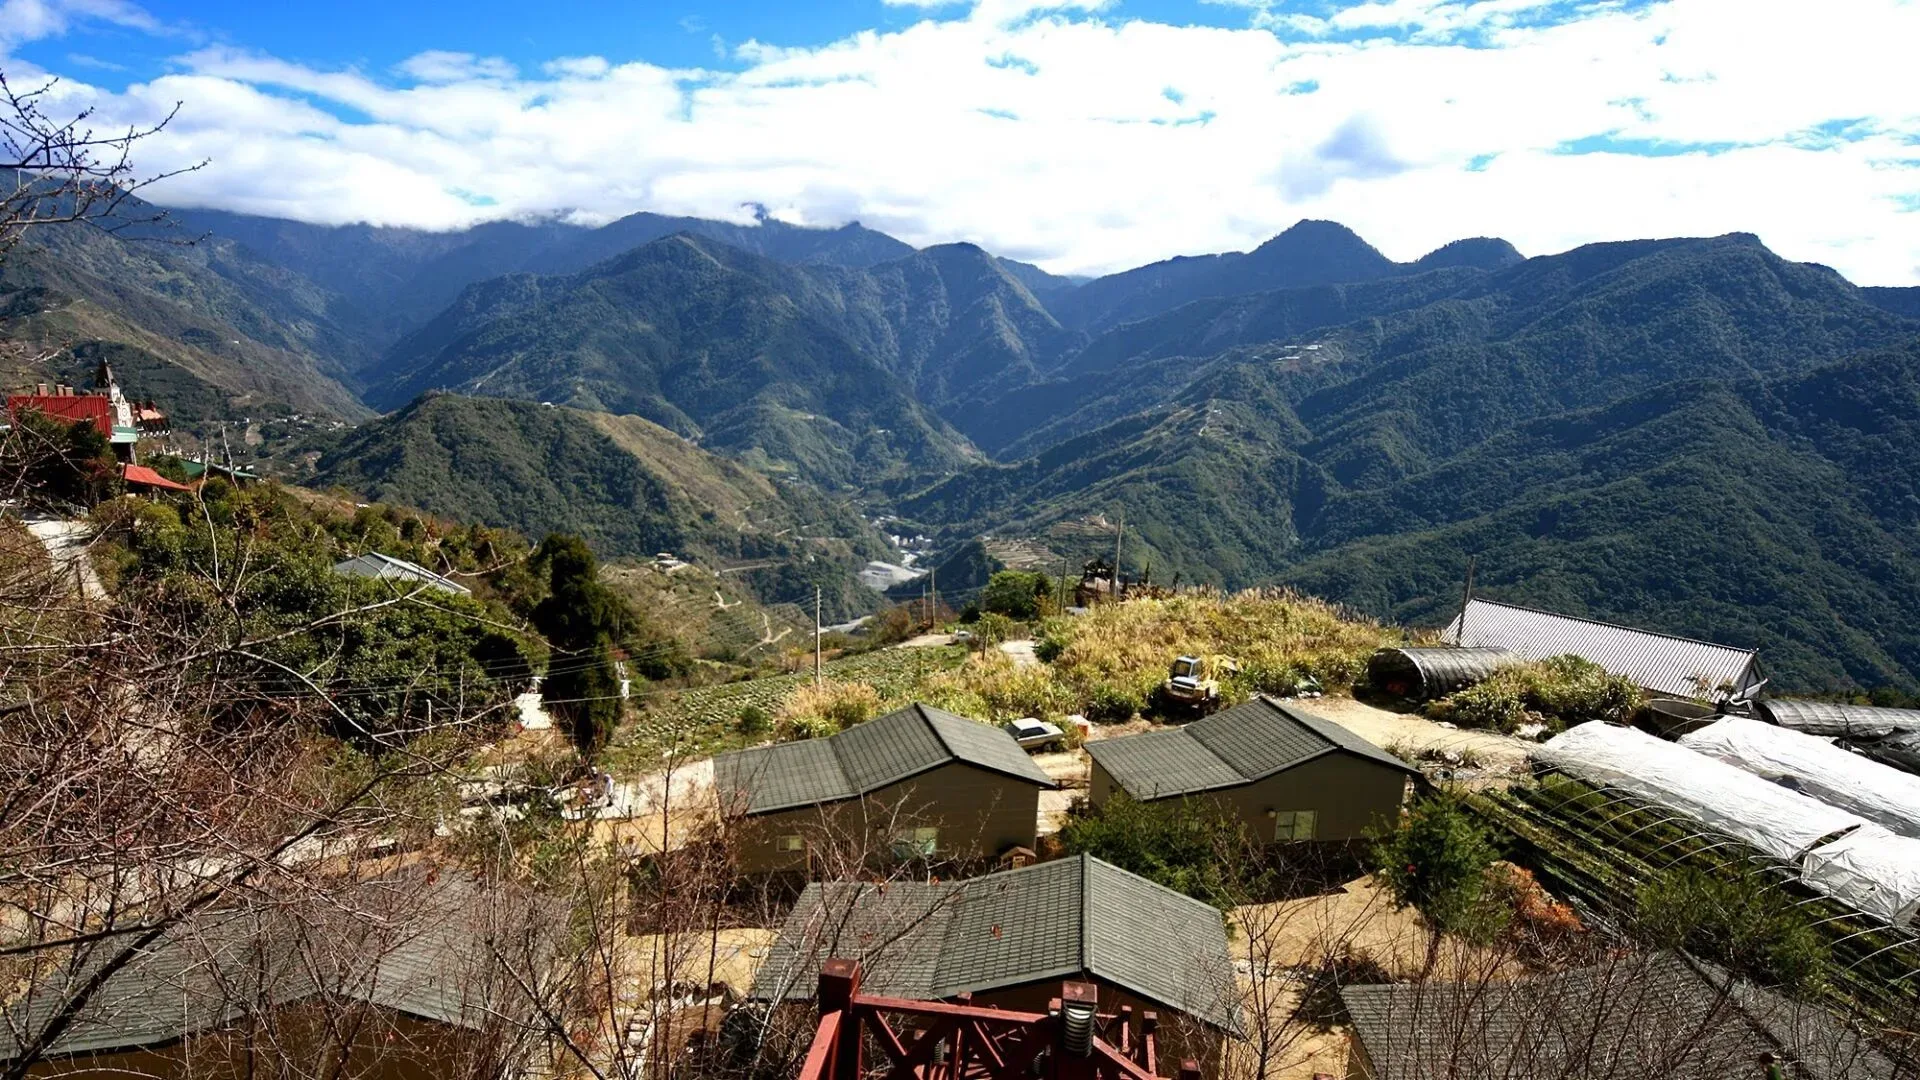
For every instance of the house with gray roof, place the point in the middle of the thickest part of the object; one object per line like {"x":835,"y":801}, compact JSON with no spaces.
{"x":1661,"y":663}
{"x":1009,"y":939}
{"x":1645,"y":1015}
{"x":411,"y":966}
{"x":941,"y":786}
{"x":406,"y":574}
{"x":1289,"y":774}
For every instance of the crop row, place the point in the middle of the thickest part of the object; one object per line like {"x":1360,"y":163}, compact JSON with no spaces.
{"x":705,"y":717}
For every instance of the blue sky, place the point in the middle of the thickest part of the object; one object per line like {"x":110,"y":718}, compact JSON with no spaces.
{"x":1087,"y":135}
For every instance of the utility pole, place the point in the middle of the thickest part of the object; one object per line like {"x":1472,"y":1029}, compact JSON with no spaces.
{"x":1063,"y":585}
{"x":818,"y":678}
{"x":1118,"y":533}
{"x":1466,"y":597}
{"x":933,"y":606}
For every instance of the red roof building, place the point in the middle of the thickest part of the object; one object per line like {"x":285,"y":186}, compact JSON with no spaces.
{"x":141,"y":476}
{"x":73,"y":408}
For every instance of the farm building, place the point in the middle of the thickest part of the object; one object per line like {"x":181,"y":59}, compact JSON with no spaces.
{"x":1660,"y":663}
{"x":1010,"y":938}
{"x":1658,"y":1014}
{"x":1423,"y":674}
{"x":1290,"y":775}
{"x":387,"y":568}
{"x":949,"y":788}
{"x":271,"y":990}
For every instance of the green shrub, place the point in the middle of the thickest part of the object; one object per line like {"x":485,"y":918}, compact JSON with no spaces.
{"x":1190,"y":846}
{"x":1734,"y":919}
{"x":1017,"y":594}
{"x":753,"y":721}
{"x":1557,"y":693}
{"x":992,"y":629}
{"x":1436,"y":860}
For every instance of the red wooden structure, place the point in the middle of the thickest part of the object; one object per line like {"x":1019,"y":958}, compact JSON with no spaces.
{"x":937,"y":1040}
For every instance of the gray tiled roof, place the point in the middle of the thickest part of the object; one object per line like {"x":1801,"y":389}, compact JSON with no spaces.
{"x":867,"y":757}
{"x":1071,"y":918}
{"x":1659,"y":662}
{"x":1251,"y":741}
{"x":430,"y":961}
{"x":1656,"y":1014}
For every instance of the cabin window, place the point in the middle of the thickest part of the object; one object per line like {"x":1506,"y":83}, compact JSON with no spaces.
{"x":1295,"y":824}
{"x":789,"y":842}
{"x":916,"y":842}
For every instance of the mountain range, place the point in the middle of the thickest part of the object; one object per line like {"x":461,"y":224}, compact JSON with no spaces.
{"x":1690,"y":434}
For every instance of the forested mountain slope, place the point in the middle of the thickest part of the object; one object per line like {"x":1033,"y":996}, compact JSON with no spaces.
{"x":629,"y":486}
{"x":206,"y":323}
{"x":839,"y":373}
{"x":1651,"y":431}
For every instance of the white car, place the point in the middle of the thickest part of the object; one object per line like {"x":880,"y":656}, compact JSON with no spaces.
{"x":1034,"y":734}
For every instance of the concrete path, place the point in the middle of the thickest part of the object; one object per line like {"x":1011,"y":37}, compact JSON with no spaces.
{"x":68,"y":544}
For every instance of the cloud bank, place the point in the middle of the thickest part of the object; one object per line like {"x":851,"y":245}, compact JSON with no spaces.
{"x":1087,"y":140}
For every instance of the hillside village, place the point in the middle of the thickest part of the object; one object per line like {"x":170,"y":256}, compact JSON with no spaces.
{"x":579,"y":641}
{"x":1175,"y":832}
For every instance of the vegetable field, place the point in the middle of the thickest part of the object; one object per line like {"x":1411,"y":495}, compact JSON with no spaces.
{"x":702,"y":720}
{"x":1605,"y":853}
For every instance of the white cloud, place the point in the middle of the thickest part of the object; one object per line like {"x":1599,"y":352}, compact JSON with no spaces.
{"x":22,"y":21}
{"x":438,"y":66}
{"x":1042,"y":131}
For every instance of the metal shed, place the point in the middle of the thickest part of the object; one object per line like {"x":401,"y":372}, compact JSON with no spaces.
{"x":1423,"y":674}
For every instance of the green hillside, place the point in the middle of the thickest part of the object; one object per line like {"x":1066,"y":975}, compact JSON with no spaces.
{"x":628,"y":486}
{"x":840,"y":374}
{"x":237,"y":336}
{"x":1655,"y":432}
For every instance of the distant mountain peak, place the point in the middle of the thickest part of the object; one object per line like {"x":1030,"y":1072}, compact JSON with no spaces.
{"x":1479,"y":252}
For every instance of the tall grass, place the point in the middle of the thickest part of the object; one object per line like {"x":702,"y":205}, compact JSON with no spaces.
{"x":1108,"y":662}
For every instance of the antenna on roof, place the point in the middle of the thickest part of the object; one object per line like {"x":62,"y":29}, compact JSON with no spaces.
{"x":1466,"y":597}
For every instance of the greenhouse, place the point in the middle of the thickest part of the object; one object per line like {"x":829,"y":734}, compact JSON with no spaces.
{"x":1423,"y":674}
{"x":1814,"y":766}
{"x":1863,"y":865}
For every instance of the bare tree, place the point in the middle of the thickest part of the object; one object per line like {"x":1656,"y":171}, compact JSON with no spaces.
{"x":63,"y":170}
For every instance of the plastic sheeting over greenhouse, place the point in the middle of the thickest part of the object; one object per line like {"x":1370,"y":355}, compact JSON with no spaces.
{"x":1814,"y":766}
{"x":1863,"y":865}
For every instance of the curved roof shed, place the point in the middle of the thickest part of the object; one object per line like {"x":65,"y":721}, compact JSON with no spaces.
{"x":1423,"y":674}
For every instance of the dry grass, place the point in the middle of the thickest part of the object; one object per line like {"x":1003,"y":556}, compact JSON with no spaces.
{"x":1107,"y":663}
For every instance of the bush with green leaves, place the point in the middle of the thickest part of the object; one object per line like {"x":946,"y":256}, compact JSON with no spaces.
{"x":1557,"y":693}
{"x":1436,"y":860}
{"x":1020,"y":595}
{"x":753,"y":721}
{"x":1737,"y":919}
{"x":1189,"y":845}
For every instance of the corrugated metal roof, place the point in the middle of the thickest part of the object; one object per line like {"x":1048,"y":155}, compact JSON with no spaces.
{"x":1837,"y":719}
{"x":1434,"y":672}
{"x":1065,"y":919}
{"x":1251,"y":741}
{"x":865,"y":758}
{"x":1658,"y":1014}
{"x":1659,"y":662}
{"x":387,"y":568}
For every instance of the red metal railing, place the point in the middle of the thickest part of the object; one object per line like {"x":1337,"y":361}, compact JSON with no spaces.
{"x":938,"y":1040}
